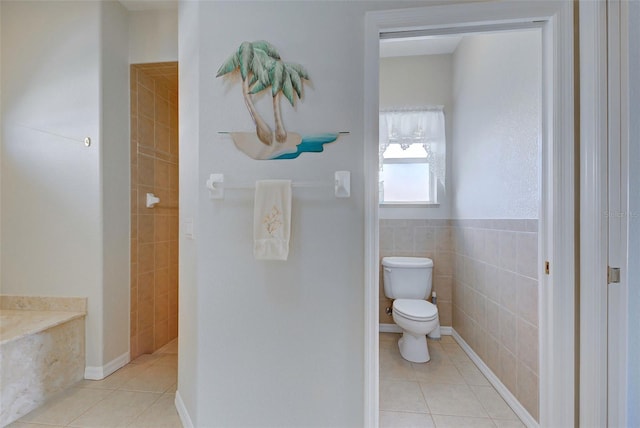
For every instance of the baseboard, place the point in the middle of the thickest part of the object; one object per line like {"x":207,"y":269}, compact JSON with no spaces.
{"x":504,"y":392}
{"x":182,"y":412}
{"x":393,"y":328}
{"x":389,"y":328}
{"x":100,"y":372}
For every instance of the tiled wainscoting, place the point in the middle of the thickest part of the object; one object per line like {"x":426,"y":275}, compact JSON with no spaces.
{"x":420,"y":238}
{"x":485,"y":275}
{"x":495,"y":299}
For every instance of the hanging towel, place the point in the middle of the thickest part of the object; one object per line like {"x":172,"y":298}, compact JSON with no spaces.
{"x":272,"y":219}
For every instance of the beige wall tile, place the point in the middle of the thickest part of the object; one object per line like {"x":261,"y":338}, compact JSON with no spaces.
{"x":146,"y":171}
{"x":507,"y":372}
{"x":527,"y":390}
{"x":527,"y":345}
{"x":146,"y":103}
{"x":163,"y":138}
{"x":527,"y":299}
{"x":146,"y":258}
{"x":508,"y":330}
{"x":527,"y":254}
{"x":507,"y":244}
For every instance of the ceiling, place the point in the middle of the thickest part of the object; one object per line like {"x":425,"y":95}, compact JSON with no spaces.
{"x":135,"y":5}
{"x":414,"y":46}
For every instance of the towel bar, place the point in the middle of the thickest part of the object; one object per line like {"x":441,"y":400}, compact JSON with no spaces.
{"x":341,"y":184}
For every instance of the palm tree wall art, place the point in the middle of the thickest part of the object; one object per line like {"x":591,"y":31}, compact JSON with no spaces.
{"x":261,"y":68}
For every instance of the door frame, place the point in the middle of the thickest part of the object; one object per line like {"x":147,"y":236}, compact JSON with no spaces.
{"x":604,"y":125}
{"x":557,"y":305}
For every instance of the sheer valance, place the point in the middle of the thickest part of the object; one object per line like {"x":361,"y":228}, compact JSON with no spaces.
{"x":422,"y":126}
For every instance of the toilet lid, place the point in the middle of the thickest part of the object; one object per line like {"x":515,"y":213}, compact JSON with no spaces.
{"x":413,"y":309}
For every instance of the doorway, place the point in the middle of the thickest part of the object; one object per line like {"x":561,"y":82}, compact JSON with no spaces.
{"x":556,"y":229}
{"x":480,"y":227}
{"x":154,"y":222}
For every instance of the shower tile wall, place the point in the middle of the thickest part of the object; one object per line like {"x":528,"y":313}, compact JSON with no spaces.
{"x":420,"y":238}
{"x":154,"y":231}
{"x":495,"y":299}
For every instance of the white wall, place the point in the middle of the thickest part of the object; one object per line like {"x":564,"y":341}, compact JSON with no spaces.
{"x":633,"y":398}
{"x":153,"y":36}
{"x":56,"y":67}
{"x":282,"y":339}
{"x":496,"y":131}
{"x":418,"y":81}
{"x":51,"y":231}
{"x":115,"y":164}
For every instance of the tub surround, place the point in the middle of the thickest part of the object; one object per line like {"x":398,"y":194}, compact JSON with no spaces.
{"x":42,"y":351}
{"x":154,"y":231}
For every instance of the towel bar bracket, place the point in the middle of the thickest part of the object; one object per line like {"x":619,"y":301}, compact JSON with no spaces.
{"x":215,"y":184}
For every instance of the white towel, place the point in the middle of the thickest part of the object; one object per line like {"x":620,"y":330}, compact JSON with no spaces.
{"x":272,"y":219}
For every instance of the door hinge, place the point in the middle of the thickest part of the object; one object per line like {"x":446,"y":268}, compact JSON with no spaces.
{"x":613,"y":275}
{"x":546,"y":268}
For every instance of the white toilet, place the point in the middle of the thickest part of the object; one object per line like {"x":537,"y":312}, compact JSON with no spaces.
{"x":408,"y":281}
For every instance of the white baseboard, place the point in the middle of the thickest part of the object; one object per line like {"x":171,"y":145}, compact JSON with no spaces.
{"x":504,"y":392}
{"x":100,"y":372}
{"x":182,"y":412}
{"x":393,"y":328}
{"x":389,"y":328}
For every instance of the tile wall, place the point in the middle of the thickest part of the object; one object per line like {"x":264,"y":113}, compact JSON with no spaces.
{"x":420,"y":238}
{"x":495,"y":299}
{"x":154,"y":231}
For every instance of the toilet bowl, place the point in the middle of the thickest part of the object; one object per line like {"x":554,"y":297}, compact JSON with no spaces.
{"x":417,"y":319}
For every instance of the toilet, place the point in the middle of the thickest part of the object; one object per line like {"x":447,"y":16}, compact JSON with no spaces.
{"x":407,"y":280}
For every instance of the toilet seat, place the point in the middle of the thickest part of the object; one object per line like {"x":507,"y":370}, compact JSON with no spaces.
{"x":414,"y":309}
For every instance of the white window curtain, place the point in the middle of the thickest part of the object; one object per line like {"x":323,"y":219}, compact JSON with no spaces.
{"x":423,"y":126}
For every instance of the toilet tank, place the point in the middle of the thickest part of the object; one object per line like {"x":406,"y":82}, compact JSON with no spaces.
{"x":407,"y":277}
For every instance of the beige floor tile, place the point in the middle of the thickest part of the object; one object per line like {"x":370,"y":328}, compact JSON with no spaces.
{"x":19,"y":424}
{"x":455,"y":352}
{"x":389,"y":340}
{"x":405,"y":420}
{"x":117,"y":410}
{"x":161,"y":414}
{"x":155,"y":378}
{"x":447,"y":339}
{"x":146,"y":359}
{"x":437,"y":353}
{"x":393,"y":366}
{"x":437,"y":373}
{"x":166,"y":360}
{"x":443,"y":421}
{"x":501,"y":423}
{"x":493,"y":403}
{"x":116,"y":379}
{"x":169,"y":348}
{"x":452,"y":400}
{"x":471,"y":374}
{"x":401,"y":396}
{"x":67,"y":406}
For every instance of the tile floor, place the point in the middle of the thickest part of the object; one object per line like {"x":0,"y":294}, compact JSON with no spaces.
{"x":141,"y":394}
{"x":448,"y":391}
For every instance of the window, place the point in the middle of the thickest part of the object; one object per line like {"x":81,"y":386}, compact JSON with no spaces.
{"x":412,"y":155}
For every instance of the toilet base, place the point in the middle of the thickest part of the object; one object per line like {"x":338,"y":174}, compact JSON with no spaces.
{"x":414,"y":348}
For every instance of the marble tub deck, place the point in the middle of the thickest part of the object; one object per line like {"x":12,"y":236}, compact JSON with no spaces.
{"x":16,"y":324}
{"x":42,"y":351}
